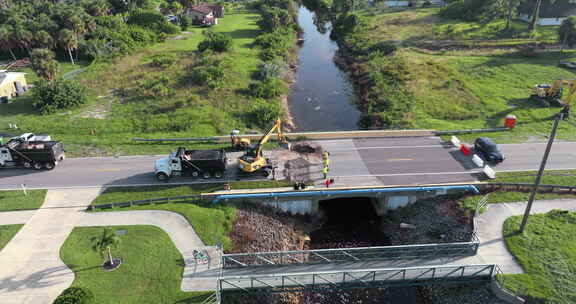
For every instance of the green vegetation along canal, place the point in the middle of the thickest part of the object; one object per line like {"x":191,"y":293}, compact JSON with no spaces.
{"x":322,"y":97}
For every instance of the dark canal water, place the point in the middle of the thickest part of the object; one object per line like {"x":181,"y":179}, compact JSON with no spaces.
{"x":321,"y":98}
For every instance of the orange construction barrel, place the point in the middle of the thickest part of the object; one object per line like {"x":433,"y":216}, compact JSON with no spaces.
{"x":510,"y":121}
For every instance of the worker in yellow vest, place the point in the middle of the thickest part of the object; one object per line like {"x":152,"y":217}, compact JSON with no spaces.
{"x":325,"y":159}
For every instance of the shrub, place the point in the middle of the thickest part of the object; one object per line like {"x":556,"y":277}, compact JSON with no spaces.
{"x":274,"y":69}
{"x":153,"y":20}
{"x":155,"y":87}
{"x":75,"y":295}
{"x":211,"y":76}
{"x":270,"y":88}
{"x":217,"y":42}
{"x":384,"y":47}
{"x":263,"y":112}
{"x":185,"y":22}
{"x":140,"y":35}
{"x":275,"y":44}
{"x":59,"y":95}
{"x":162,"y":60}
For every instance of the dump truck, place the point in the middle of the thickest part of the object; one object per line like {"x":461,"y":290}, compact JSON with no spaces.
{"x":192,"y":163}
{"x":29,"y":153}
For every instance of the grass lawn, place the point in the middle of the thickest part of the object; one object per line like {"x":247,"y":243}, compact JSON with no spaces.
{"x":212,"y":223}
{"x":477,"y":89}
{"x":425,"y":24}
{"x":469,"y":88}
{"x":547,"y":253}
{"x":550,"y":177}
{"x":16,"y":200}
{"x":151,"y":271}
{"x":7,"y":232}
{"x":117,"y":111}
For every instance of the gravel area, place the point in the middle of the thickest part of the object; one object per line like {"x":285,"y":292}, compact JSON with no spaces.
{"x":434,"y":220}
{"x":468,"y":294}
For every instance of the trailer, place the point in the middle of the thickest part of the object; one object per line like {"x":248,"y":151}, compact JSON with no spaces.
{"x":192,"y":163}
{"x":21,"y":152}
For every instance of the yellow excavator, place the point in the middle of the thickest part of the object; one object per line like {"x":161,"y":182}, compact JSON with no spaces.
{"x":552,"y":94}
{"x":253,"y":161}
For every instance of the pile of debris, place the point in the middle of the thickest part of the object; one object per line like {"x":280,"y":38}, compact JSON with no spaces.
{"x":434,"y":220}
{"x":259,"y":228}
{"x":17,"y":64}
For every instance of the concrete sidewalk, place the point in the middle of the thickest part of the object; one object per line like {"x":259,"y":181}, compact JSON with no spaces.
{"x":32,"y":271}
{"x":492,"y":248}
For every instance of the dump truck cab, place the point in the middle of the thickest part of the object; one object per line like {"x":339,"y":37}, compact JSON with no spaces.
{"x":193,"y":163}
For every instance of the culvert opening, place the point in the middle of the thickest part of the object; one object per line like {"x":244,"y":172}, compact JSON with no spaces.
{"x":348,"y":222}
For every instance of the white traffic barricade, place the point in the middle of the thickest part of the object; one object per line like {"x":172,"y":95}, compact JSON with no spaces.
{"x":479,"y":162}
{"x":489,"y":172}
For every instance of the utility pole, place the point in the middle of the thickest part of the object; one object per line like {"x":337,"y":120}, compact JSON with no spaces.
{"x":540,"y":171}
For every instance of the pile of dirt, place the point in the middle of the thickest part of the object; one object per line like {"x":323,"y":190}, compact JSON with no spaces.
{"x":307,"y":148}
{"x":434,"y":220}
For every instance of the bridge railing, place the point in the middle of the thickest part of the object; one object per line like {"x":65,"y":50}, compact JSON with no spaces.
{"x":359,"y":254}
{"x":359,"y":278}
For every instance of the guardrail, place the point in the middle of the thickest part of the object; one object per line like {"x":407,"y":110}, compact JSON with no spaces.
{"x":526,"y":187}
{"x":360,"y":254}
{"x":450,"y":132}
{"x":306,"y":135}
{"x":162,"y":200}
{"x":412,"y":276}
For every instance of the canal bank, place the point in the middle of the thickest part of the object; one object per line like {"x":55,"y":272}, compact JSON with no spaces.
{"x":322,"y":97}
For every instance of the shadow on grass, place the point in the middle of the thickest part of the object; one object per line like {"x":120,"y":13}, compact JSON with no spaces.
{"x":194,"y":299}
{"x":243,"y":33}
{"x":550,"y":58}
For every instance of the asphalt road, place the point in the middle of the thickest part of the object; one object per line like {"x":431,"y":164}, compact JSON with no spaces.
{"x":374,"y":161}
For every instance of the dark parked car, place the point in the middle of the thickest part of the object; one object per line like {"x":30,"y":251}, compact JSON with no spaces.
{"x":488,"y":150}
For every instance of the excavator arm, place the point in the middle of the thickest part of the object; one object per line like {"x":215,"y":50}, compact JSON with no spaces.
{"x":264,"y":139}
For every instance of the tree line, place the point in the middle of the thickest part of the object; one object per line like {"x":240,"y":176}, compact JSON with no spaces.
{"x":88,"y":27}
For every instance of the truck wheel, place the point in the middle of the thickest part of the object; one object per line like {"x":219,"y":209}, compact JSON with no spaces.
{"x":206,"y":175}
{"x":49,"y":165}
{"x":26,"y":164}
{"x":218,"y":174}
{"x":195,"y":173}
{"x":37,"y":166}
{"x":266,"y":172}
{"x":161,"y":176}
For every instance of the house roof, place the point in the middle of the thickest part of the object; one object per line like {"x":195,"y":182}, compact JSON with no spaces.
{"x":559,"y":9}
{"x":202,"y":9}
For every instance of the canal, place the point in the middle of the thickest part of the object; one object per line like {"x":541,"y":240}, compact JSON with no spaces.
{"x":322,"y":98}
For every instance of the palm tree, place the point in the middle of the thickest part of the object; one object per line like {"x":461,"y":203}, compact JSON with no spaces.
{"x":67,"y":39}
{"x":42,"y":39}
{"x":43,"y":63}
{"x":103,"y":244}
{"x":23,"y":36}
{"x":6,"y":39}
{"x":536,"y":16}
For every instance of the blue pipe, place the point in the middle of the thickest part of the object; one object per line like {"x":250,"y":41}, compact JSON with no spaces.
{"x":471,"y":188}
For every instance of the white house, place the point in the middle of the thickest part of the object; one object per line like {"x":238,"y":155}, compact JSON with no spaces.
{"x":550,"y":13}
